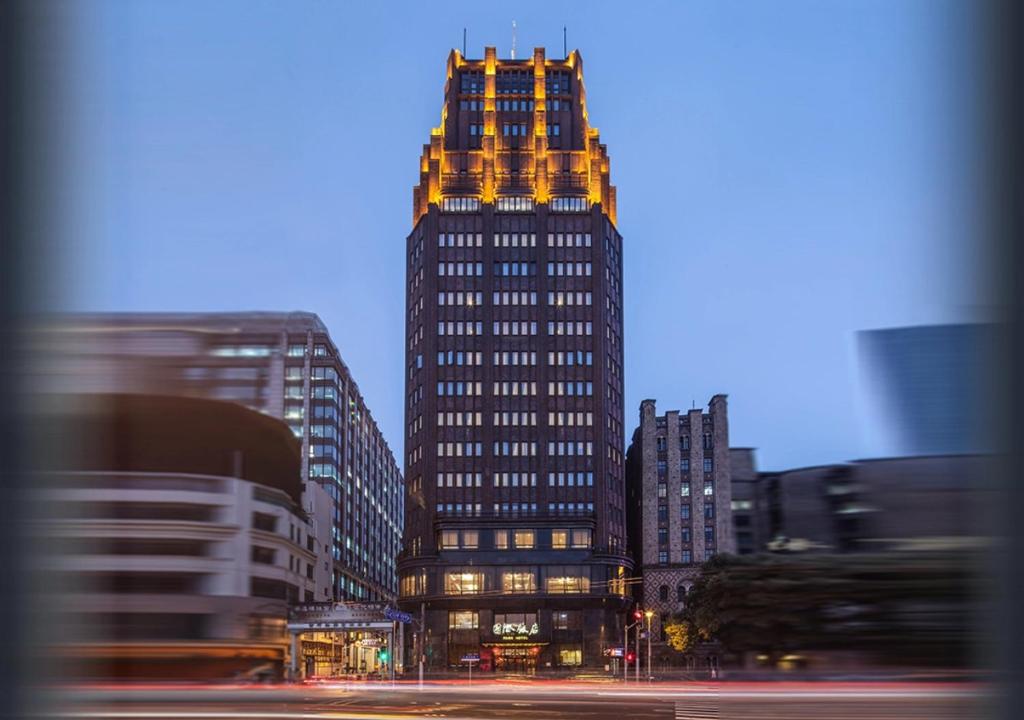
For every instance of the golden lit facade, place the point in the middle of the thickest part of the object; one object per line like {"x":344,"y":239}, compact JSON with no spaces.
{"x":471,"y":156}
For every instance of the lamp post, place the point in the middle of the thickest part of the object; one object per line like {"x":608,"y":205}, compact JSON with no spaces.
{"x":649,"y":614}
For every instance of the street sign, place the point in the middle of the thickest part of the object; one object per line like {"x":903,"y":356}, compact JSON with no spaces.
{"x":613,"y":652}
{"x":397,"y":615}
{"x":471,"y":657}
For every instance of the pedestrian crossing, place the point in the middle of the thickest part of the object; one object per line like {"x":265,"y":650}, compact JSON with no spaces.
{"x":702,"y":708}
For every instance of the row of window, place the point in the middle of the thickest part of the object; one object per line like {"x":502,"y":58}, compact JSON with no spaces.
{"x":469,"y":299}
{"x":684,"y":465}
{"x":684,"y":489}
{"x":469,"y":449}
{"x":684,"y":512}
{"x":459,"y":357}
{"x":516,"y":509}
{"x":661,"y":443}
{"x":460,"y":269}
{"x":686,"y":556}
{"x":685,"y":535}
{"x":514,"y":239}
{"x":469,"y":204}
{"x":560,"y":539}
{"x":459,"y":389}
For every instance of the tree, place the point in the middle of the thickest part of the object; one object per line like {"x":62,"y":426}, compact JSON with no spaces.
{"x":900,"y":607}
{"x":680,"y":633}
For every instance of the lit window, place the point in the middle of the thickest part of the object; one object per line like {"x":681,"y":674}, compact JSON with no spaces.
{"x":463,"y":583}
{"x":463,"y":620}
{"x":524,"y":539}
{"x":581,"y":538}
{"x":501,"y":539}
{"x":518,"y":581}
{"x":559,"y":539}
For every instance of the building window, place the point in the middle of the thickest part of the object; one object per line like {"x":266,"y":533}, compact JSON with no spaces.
{"x":684,"y":465}
{"x":518,"y":581}
{"x":470,"y":539}
{"x":524,"y":539}
{"x":687,"y":558}
{"x":662,"y":490}
{"x":463,"y":620}
{"x":581,"y":538}
{"x":661,"y":444}
{"x":450,"y":540}
{"x":663,"y":557}
{"x":686,"y":535}
{"x":415,"y":584}
{"x":570,"y":657}
{"x":559,"y":539}
{"x":684,"y":512}
{"x":709,"y":511}
{"x":684,"y":442}
{"x":501,"y":539}
{"x":709,"y":465}
{"x":262,"y":555}
{"x":560,"y":620}
{"x":463,"y":583}
{"x":567,"y":580}
{"x":662,"y":536}
{"x":681,"y":593}
{"x":663,"y":513}
{"x":663,"y":593}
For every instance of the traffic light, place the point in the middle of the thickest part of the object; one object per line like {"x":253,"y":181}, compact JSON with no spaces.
{"x":638,"y":614}
{"x":383,"y":655}
{"x":630,"y":657}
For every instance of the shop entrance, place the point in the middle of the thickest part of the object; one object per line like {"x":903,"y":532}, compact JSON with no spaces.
{"x":522,"y":660}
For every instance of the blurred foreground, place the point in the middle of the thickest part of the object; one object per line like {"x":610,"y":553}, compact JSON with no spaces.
{"x":540,"y":700}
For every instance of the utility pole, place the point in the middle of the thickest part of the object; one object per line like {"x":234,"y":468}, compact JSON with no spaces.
{"x":639,"y":624}
{"x":625,"y":653}
{"x":421,"y":638}
{"x":649,"y":614}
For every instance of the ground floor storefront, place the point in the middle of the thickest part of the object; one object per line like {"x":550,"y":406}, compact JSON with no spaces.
{"x":506,"y":635}
{"x":337,"y":654}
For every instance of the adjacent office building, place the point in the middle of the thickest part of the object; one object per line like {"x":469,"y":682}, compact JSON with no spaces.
{"x":284,"y":365}
{"x":680,"y":495}
{"x":749,"y":518}
{"x":928,"y":387}
{"x":515,"y":534}
{"x":178,"y":536}
{"x":936,"y":502}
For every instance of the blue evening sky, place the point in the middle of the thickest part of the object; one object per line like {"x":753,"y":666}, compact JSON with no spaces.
{"x":788,"y":173}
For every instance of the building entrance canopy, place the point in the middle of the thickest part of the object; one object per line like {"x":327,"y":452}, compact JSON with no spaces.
{"x":348,"y":617}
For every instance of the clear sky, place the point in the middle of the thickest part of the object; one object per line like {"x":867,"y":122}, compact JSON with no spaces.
{"x":788,"y":173}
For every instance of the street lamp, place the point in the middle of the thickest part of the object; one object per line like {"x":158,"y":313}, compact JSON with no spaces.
{"x":649,"y":615}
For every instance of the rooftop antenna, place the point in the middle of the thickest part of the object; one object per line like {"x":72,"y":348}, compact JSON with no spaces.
{"x":565,"y":43}
{"x":513,"y":39}
{"x":463,"y":42}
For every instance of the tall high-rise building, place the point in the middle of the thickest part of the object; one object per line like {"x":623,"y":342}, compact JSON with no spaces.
{"x":515,"y":519}
{"x":928,"y":389}
{"x":680,"y":500}
{"x":284,"y":365}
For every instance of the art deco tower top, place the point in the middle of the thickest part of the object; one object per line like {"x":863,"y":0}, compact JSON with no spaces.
{"x":514,"y":129}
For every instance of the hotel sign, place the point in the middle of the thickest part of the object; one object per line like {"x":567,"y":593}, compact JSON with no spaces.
{"x":515,"y":631}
